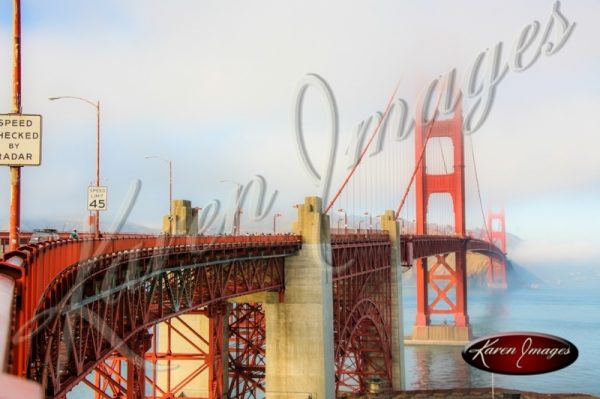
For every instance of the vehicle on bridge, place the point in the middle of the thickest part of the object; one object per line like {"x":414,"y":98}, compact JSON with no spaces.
{"x":41,"y":235}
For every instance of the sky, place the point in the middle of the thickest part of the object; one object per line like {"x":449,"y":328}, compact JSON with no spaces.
{"x":212,"y":86}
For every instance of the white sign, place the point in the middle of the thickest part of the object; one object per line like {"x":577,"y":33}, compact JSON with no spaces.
{"x":97,"y":198}
{"x":20,"y":140}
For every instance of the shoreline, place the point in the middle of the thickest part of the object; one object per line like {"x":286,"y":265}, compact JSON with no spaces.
{"x":481,"y":393}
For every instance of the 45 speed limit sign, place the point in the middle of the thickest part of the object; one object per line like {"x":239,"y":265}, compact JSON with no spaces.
{"x":97,"y":198}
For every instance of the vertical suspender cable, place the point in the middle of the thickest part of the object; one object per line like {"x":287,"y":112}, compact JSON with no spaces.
{"x":485,"y":226}
{"x":364,"y":151}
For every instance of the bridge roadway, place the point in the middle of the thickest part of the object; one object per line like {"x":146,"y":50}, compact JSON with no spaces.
{"x":77,"y":301}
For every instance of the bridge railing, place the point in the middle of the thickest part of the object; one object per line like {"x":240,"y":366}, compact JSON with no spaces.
{"x":349,"y":231}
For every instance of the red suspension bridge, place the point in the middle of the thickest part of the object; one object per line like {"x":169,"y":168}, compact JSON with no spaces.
{"x":316,"y":313}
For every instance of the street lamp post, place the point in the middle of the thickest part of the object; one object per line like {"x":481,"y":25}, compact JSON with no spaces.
{"x":378,"y":221}
{"x":275,"y":216}
{"x":370,"y":219}
{"x":237,"y":216}
{"x":97,"y":106}
{"x":198,"y":226}
{"x":345,"y":219}
{"x":170,"y":163}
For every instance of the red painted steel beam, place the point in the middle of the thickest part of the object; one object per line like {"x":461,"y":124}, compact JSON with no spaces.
{"x":247,"y":351}
{"x":425,"y":246}
{"x":170,"y":282}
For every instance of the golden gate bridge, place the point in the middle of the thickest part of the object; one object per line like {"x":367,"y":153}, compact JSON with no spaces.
{"x":313,"y":313}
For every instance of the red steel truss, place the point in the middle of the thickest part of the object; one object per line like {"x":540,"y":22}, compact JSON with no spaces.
{"x":109,"y":379}
{"x":218,"y":346}
{"x":246,"y":352}
{"x":96,"y":306}
{"x":247,"y":335}
{"x":361,"y":309}
{"x":161,"y":359}
{"x":41,"y":264}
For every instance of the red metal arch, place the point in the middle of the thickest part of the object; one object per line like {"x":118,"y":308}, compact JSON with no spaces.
{"x":40,"y":264}
{"x":361,"y":309}
{"x":76,"y":337}
{"x":363,"y":349}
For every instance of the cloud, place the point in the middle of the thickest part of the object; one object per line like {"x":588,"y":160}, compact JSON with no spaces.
{"x":550,"y":252}
{"x":211,"y":86}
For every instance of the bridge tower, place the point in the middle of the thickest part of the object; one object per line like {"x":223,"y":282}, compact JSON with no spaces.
{"x":496,"y":275}
{"x":437,"y":282}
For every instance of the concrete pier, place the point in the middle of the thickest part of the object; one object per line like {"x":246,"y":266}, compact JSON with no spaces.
{"x":299,"y":341}
{"x":449,"y":335}
{"x":389,"y":224}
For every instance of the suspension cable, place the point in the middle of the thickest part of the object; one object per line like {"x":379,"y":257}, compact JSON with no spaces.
{"x":364,"y":151}
{"x":485,"y":226}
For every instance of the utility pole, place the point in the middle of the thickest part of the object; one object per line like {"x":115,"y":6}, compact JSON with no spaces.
{"x":170,"y":163}
{"x":237,"y":215}
{"x":275,"y":216}
{"x":14,"y":223}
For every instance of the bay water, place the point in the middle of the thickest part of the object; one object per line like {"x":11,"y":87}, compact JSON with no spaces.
{"x":570,"y":312}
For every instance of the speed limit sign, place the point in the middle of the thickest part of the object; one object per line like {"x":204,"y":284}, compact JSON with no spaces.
{"x":97,"y":198}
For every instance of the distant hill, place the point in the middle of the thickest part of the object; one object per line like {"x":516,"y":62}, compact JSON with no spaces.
{"x":67,"y":225}
{"x":477,"y":267}
{"x":516,"y":276}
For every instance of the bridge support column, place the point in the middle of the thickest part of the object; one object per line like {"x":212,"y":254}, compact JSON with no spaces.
{"x":136,"y":377}
{"x":299,"y":342}
{"x":389,"y":224}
